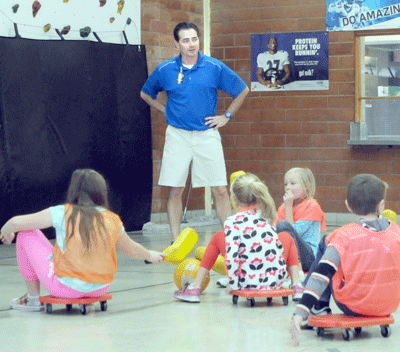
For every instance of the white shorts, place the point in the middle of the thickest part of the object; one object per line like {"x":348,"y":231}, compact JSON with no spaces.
{"x":201,"y":148}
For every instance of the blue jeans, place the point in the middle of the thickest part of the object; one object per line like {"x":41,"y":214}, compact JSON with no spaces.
{"x":306,"y":255}
{"x":320,"y":253}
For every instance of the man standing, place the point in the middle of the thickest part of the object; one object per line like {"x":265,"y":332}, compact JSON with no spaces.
{"x":191,"y":81}
{"x":273,"y":66}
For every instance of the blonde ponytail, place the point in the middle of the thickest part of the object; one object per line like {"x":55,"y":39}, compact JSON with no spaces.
{"x":248,"y":189}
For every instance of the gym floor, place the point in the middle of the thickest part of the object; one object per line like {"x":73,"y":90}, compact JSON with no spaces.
{"x":144,"y":316}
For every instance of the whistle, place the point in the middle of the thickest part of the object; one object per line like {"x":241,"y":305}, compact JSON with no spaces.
{"x":180,"y":78}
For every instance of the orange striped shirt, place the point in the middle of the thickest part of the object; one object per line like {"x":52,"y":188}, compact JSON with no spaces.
{"x":368,"y":279}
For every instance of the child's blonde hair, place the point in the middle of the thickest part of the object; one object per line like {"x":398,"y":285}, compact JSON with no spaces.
{"x":306,"y":178}
{"x":249,"y":189}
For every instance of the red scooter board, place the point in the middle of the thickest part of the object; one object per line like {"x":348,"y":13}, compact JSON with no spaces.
{"x":268,"y":294}
{"x":83,"y":302}
{"x":346,"y":322}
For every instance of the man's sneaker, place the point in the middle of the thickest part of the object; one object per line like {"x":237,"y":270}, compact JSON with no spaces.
{"x":223,"y":282}
{"x":188,"y":294}
{"x":298,"y":292}
{"x":322,"y":311}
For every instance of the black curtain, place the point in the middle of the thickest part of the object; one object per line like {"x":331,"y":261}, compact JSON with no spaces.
{"x":73,"y":104}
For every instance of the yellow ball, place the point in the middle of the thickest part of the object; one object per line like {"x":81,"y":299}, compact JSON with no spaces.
{"x":391,"y":215}
{"x":235,"y":175}
{"x":186,"y":271}
{"x":219,"y":265}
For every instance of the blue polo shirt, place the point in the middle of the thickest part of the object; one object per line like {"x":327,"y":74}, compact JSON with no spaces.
{"x":189,"y":103}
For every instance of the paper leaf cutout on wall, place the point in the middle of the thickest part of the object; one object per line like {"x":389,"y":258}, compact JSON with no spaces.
{"x":129,"y":21}
{"x":102,"y":2}
{"x":47,"y":27}
{"x":65,"y":0}
{"x":121,"y":4}
{"x":85,"y":32}
{"x":112,"y":19}
{"x":15,"y":8}
{"x":65,"y":30}
{"x":36,"y":7}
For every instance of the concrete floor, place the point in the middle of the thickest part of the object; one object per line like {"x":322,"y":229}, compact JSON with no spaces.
{"x":144,"y":316}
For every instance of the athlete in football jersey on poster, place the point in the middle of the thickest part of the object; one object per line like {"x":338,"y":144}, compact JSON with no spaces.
{"x":273,"y":66}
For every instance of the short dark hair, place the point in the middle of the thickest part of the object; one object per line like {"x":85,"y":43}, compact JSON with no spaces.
{"x":185,"y":25}
{"x":272,"y":38}
{"x":364,"y":193}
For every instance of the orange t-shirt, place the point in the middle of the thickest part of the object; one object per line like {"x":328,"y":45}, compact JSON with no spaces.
{"x":101,"y":264}
{"x":308,"y":209}
{"x":368,"y":279}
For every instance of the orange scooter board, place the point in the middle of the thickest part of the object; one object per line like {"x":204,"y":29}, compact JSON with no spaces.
{"x":83,"y":302}
{"x":346,"y":322}
{"x":268,"y":294}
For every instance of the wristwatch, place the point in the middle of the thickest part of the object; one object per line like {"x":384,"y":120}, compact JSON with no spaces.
{"x":228,"y":114}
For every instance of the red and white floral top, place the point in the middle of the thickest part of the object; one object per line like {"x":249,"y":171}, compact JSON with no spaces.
{"x":254,"y":254}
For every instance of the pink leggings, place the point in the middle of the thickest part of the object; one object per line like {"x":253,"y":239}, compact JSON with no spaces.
{"x":216,"y":246}
{"x":33,"y":249}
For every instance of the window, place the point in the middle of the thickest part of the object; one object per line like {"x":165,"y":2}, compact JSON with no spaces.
{"x":377,"y":91}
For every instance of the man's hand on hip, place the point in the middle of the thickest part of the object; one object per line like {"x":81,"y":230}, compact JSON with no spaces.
{"x":216,"y":121}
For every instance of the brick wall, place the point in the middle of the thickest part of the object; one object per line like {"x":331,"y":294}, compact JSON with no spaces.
{"x":274,"y":131}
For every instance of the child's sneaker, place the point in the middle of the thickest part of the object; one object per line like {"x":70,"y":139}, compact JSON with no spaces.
{"x":27,"y":304}
{"x":322,"y":311}
{"x":298,"y":292}
{"x":223,"y":282}
{"x":314,"y":311}
{"x":188,"y":294}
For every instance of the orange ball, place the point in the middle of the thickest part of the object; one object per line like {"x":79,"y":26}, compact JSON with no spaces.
{"x":186,"y":271}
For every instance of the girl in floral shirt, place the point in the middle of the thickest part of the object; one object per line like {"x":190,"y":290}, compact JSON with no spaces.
{"x":256,"y":257}
{"x":254,"y":253}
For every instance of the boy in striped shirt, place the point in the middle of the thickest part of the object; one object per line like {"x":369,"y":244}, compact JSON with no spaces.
{"x":359,"y":261}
